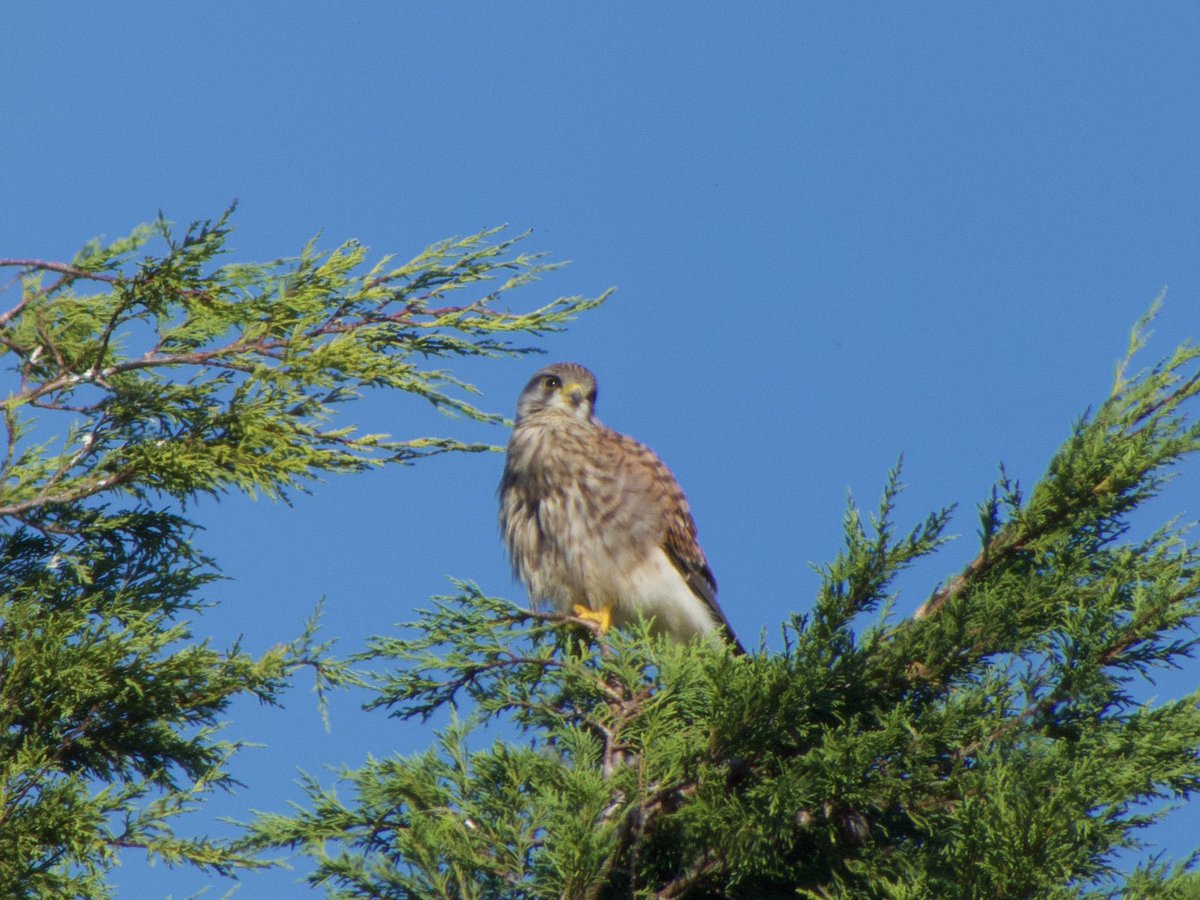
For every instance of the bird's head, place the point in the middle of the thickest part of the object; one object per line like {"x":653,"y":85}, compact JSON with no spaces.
{"x":565,"y":387}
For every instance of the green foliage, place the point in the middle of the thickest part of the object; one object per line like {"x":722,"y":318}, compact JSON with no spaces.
{"x":140,"y":384}
{"x":989,"y":746}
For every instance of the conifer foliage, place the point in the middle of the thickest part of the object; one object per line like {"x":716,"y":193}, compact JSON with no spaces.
{"x":994,"y":744}
{"x":143,"y":374}
{"x":990,"y":746}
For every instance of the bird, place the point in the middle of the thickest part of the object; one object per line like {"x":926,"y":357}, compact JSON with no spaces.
{"x":595,"y":524}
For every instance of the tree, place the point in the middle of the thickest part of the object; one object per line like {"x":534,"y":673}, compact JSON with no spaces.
{"x":989,"y":746}
{"x":141,"y":384}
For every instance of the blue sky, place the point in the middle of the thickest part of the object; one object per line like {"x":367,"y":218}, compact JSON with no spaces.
{"x":839,"y":233}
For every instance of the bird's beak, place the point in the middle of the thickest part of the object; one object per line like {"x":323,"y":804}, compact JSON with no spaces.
{"x":574,"y":393}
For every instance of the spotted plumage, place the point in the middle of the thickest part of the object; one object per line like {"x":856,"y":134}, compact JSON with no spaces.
{"x":594,"y":523}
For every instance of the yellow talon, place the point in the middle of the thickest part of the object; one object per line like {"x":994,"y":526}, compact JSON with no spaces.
{"x":602,"y":617}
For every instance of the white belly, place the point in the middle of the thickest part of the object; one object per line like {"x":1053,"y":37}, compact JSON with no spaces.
{"x":653,"y":589}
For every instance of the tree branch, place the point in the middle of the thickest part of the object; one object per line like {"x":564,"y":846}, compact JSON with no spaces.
{"x":61,"y":268}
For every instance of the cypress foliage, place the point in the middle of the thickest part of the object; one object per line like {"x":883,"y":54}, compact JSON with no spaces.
{"x":992,"y":745}
{"x":139,"y":383}
{"x":989,"y":746}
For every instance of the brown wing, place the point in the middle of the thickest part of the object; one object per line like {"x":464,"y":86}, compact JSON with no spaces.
{"x":678,"y":535}
{"x":683,"y":550}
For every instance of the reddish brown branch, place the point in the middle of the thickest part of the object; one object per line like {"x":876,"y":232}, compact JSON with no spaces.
{"x":61,"y":268}
{"x":1132,"y":633}
{"x":998,"y":550}
{"x":1170,"y":400}
{"x":86,"y":489}
{"x":687,"y":879}
{"x":1011,"y":540}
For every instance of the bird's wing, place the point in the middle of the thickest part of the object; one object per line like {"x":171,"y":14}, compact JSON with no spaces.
{"x":683,"y":551}
{"x":678,"y":539}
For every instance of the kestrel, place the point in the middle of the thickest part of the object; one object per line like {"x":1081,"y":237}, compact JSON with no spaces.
{"x":595,"y":524}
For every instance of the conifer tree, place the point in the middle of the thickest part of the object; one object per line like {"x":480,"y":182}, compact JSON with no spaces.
{"x":144,"y":374}
{"x":989,"y":746}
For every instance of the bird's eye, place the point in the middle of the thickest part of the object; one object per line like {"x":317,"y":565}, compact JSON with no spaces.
{"x":553,"y":382}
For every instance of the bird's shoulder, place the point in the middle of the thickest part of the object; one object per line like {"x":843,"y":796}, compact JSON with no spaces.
{"x":634,"y":463}
{"x":680,"y":528}
{"x":640,"y":470}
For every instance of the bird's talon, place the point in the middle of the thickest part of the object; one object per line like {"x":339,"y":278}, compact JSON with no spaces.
{"x":602,"y":617}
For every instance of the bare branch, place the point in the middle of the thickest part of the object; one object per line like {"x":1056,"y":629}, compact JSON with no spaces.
{"x":61,"y":268}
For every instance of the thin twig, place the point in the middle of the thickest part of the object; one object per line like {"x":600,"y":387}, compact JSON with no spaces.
{"x":61,"y":268}
{"x":999,"y":549}
{"x":686,"y":880}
